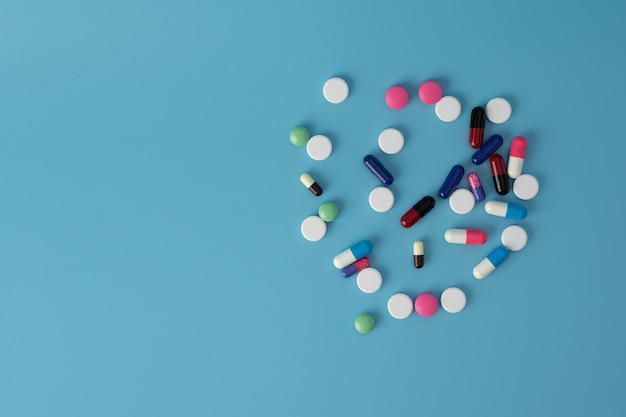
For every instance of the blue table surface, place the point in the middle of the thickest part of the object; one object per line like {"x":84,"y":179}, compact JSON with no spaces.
{"x":151,"y":262}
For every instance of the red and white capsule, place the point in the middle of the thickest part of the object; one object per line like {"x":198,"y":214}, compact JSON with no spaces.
{"x":465,"y":236}
{"x":516,"y":157}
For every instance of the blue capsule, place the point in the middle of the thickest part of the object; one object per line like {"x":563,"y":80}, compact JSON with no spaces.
{"x":452,"y":180}
{"x":378,"y":169}
{"x":488,"y":149}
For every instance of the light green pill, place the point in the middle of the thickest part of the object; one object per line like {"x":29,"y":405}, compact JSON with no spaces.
{"x":299,"y":136}
{"x":364,"y":323}
{"x":328,"y":211}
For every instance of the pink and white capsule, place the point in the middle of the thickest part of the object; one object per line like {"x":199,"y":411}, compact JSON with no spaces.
{"x":465,"y":236}
{"x":516,"y":157}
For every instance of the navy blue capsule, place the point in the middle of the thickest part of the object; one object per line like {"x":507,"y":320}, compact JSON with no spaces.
{"x":452,"y":180}
{"x":488,"y":149}
{"x":378,"y":169}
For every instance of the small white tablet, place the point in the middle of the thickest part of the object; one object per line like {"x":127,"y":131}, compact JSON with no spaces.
{"x":514,"y":238}
{"x":369,"y":280}
{"x":391,"y":141}
{"x":462,"y":201}
{"x":498,"y":110}
{"x":448,"y":109}
{"x":336,"y":90}
{"x":319,"y":147}
{"x":381,"y":199}
{"x":526,"y":187}
{"x":313,"y":228}
{"x":453,"y":300}
{"x":400,"y":306}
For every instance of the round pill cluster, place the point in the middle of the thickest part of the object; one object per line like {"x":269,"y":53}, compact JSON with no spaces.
{"x":462,"y":201}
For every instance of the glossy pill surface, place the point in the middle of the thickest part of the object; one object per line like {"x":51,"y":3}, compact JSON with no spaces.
{"x":508,"y":210}
{"x":488,"y":149}
{"x":376,"y":168}
{"x":476,"y":186}
{"x":426,"y":304}
{"x":299,"y":136}
{"x":491,"y":262}
{"x":517,"y":156}
{"x":419,"y":210}
{"x":451,"y":181}
{"x":364,"y":323}
{"x":310,"y":183}
{"x":418,"y":254}
{"x":477,"y":127}
{"x":499,"y":175}
{"x":352,"y":254}
{"x":328,"y":211}
{"x":355,"y":267}
{"x":397,"y":97}
{"x":465,"y":236}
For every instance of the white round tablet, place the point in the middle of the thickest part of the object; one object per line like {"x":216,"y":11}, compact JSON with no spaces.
{"x":448,"y":109}
{"x":313,"y":228}
{"x":453,"y":300}
{"x":335,"y":90}
{"x":462,"y":201}
{"x":319,"y":147}
{"x":400,"y":306}
{"x":369,"y":280}
{"x":526,"y":187}
{"x":381,"y":199}
{"x":391,"y":141}
{"x":514,"y":238}
{"x":498,"y":110}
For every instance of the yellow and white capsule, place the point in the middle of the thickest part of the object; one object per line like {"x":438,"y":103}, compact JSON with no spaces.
{"x":418,"y":254}
{"x":311,"y":184}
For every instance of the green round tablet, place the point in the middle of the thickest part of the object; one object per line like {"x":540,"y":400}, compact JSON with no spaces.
{"x":299,"y":136}
{"x":328,"y":211}
{"x":364,"y":323}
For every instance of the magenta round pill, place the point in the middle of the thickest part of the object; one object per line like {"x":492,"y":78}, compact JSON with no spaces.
{"x":430,"y":92}
{"x":426,"y":304}
{"x":397,"y":97}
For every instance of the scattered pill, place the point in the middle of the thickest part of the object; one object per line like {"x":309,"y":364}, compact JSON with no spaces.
{"x":369,"y":280}
{"x":451,"y":181}
{"x":313,"y":228}
{"x":418,"y":254}
{"x":328,"y":211}
{"x":448,"y":109}
{"x":379,"y":171}
{"x":310,"y":183}
{"x":453,"y":300}
{"x":489,"y":148}
{"x":491,"y":262}
{"x":336,"y":90}
{"x":475,"y":185}
{"x":426,"y":304}
{"x":364,"y":323}
{"x":526,"y":187}
{"x":419,"y":210}
{"x":508,"y":210}
{"x":465,"y":236}
{"x":355,"y":267}
{"x":381,"y":199}
{"x":400,"y":306}
{"x":299,"y":136}
{"x":477,"y":127}
{"x":516,"y":156}
{"x":352,"y":254}
{"x":514,"y":238}
{"x":462,"y":201}
{"x":397,"y":97}
{"x":391,"y":141}
{"x":430,"y":92}
{"x":319,"y":147}
{"x":498,"y":110}
{"x":498,"y":173}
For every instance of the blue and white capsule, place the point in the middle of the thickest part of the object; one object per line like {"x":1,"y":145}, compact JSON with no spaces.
{"x":508,"y":210}
{"x":352,"y":254}
{"x":491,"y":262}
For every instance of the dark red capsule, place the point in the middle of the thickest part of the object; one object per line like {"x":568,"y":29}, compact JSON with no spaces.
{"x":419,"y":210}
{"x":498,"y":172}
{"x":477,"y":127}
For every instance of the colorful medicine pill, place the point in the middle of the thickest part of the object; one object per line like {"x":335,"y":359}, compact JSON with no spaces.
{"x":452,"y":180}
{"x":299,"y":136}
{"x":498,"y":172}
{"x":475,"y":185}
{"x":310,"y":183}
{"x":418,"y":254}
{"x":489,"y":148}
{"x":355,"y":267}
{"x":516,"y":157}
{"x":430,"y":92}
{"x":351,"y":255}
{"x":419,"y":210}
{"x":477,"y":127}
{"x":397,"y":97}
{"x":490,"y":263}
{"x":328,"y":211}
{"x":426,"y":304}
{"x":378,"y":169}
{"x":364,"y":323}
{"x":508,"y":210}
{"x":465,"y":236}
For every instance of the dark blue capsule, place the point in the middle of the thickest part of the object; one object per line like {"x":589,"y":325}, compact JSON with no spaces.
{"x":452,"y":180}
{"x":488,"y":149}
{"x":378,"y":169}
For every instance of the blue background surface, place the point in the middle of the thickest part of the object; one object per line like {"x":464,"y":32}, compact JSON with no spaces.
{"x":151,"y":262}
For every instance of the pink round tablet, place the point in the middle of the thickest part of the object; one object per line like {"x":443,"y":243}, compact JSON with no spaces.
{"x":426,"y":304}
{"x":397,"y":97}
{"x":430,"y":92}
